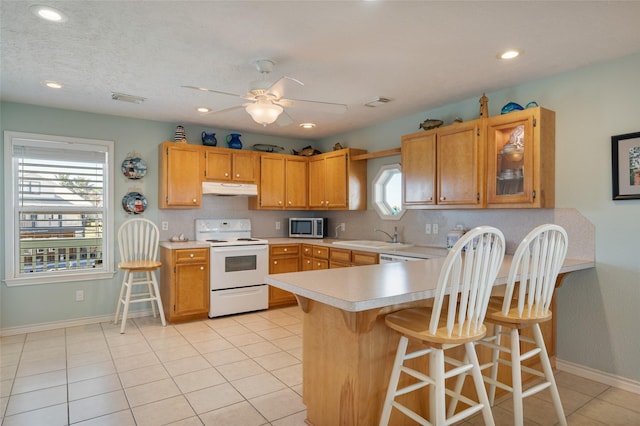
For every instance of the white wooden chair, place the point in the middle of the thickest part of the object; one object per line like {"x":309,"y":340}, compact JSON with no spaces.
{"x":469,"y":276}
{"x":138,"y":241}
{"x":539,"y":257}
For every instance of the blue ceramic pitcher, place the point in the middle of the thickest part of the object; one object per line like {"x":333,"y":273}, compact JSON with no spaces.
{"x":233,"y":140}
{"x":209,"y":139}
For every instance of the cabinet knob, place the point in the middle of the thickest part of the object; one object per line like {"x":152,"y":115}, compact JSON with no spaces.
{"x":289,"y":202}
{"x":308,"y":262}
{"x":237,"y":174}
{"x":443,"y":198}
{"x":280,"y":203}
{"x":191,"y":255}
{"x":202,"y":268}
{"x":195,"y":201}
{"x":318,"y":263}
{"x":275,"y":262}
{"x":285,"y":249}
{"x":318,"y":252}
{"x":226,"y":174}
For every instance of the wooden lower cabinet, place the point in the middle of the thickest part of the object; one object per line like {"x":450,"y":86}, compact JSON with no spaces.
{"x":361,"y":258}
{"x":184,"y":283}
{"x":283,"y":258}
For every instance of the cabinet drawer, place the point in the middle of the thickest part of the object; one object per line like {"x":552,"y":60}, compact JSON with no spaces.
{"x":307,"y":250}
{"x":307,"y":263}
{"x":340,"y":255}
{"x":364,"y":258}
{"x":284,"y":249}
{"x":320,"y":264}
{"x":320,"y":252}
{"x":191,"y":255}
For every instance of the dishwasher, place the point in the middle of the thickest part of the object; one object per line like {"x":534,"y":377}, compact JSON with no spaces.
{"x":388,"y":258}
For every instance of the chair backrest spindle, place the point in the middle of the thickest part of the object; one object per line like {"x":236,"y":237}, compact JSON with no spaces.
{"x":138,"y":239}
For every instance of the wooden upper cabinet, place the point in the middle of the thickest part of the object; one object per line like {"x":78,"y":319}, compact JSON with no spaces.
{"x":226,"y":165}
{"x":444,"y":168}
{"x":521,"y":159}
{"x":283,"y":183}
{"x":338,"y":182}
{"x":179,"y":176}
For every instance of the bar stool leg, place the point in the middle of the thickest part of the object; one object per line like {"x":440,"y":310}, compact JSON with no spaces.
{"x":516,"y":378}
{"x":393,"y":381}
{"x":495,"y":354}
{"x":156,"y":294}
{"x":548,"y":373}
{"x":122,"y":290}
{"x":127,"y":300}
{"x":478,"y":381}
{"x":151,"y":291}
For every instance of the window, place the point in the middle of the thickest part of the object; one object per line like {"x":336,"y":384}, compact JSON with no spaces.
{"x":57,"y":209}
{"x":387,"y":192}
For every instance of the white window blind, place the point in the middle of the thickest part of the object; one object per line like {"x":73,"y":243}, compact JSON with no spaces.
{"x":60,"y":191}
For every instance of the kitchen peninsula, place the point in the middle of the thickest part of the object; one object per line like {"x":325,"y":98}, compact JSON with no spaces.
{"x":347,"y":349}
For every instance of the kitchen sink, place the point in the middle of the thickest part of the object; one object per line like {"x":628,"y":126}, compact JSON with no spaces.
{"x":371,"y":244}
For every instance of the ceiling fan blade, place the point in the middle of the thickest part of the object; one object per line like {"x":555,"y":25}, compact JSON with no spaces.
{"x":284,"y":119}
{"x":277,"y":88}
{"x":227,"y":109}
{"x":325,"y":106}
{"x":204,"y":89}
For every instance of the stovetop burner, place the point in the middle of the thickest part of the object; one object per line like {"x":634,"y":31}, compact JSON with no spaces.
{"x":216,"y":241}
{"x":226,"y":232}
{"x":246,"y":239}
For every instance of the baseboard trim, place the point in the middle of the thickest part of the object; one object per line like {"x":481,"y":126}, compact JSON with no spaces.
{"x":33,"y":328}
{"x":599,"y":376}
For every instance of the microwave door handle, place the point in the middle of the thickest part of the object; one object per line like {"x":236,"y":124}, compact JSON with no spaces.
{"x":255,"y":247}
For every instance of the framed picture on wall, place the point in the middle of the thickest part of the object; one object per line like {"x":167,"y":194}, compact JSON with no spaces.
{"x":625,"y":162}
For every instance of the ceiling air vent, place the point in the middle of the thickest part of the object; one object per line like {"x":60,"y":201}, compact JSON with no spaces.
{"x":377,"y":102}
{"x":127,"y":98}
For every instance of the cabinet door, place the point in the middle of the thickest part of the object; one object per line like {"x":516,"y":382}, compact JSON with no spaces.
{"x":336,"y":190}
{"x":272,"y":182}
{"x":521,"y":159}
{"x":217,"y":165}
{"x":296,"y":183}
{"x":317,"y":198}
{"x":244,"y":167}
{"x":459,"y":165}
{"x":181,"y":180}
{"x":419,"y":169}
{"x":191,"y":288}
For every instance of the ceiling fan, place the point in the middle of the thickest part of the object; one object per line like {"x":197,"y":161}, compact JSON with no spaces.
{"x":266,"y":98}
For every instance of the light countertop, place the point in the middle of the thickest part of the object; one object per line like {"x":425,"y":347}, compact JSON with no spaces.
{"x":173,"y":245}
{"x":368,"y":287}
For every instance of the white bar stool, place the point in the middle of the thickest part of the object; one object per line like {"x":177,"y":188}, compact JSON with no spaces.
{"x":138,"y":241}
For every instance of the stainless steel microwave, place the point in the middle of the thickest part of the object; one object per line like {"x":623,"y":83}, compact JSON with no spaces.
{"x":307,"y":227}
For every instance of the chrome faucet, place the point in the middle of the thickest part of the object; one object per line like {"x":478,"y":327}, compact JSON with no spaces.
{"x":393,"y":238}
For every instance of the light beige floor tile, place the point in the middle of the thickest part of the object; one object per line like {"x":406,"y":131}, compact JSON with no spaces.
{"x":55,"y":415}
{"x":16,"y":338}
{"x":201,"y":336}
{"x":213,"y":397}
{"x":220,"y":323}
{"x":10,"y":358}
{"x":151,"y":392}
{"x":116,"y":340}
{"x":5,"y":388}
{"x":169,"y":342}
{"x":191,"y":421}
{"x":136,"y":361}
{"x":140,"y":376}
{"x":621,"y":398}
{"x":257,"y":385}
{"x":276,"y":360}
{"x":119,"y":418}
{"x":192,"y":327}
{"x":141,"y":347}
{"x":92,"y":387}
{"x":295,"y":328}
{"x":240,"y":414}
{"x":186,"y":365}
{"x":163,"y":412}
{"x":47,"y":334}
{"x":571,"y":399}
{"x":87,"y":358}
{"x":175,"y":353}
{"x":240,"y":369}
{"x":3,"y":405}
{"x":278,"y":404}
{"x":200,"y":379}
{"x":52,"y":353}
{"x":245,"y":339}
{"x":258,"y":349}
{"x":38,"y":345}
{"x":8,"y":372}
{"x":290,"y":375}
{"x":286,"y":321}
{"x":261,"y":324}
{"x":36,"y":399}
{"x":273,"y":313}
{"x":297,"y":389}
{"x":97,"y":406}
{"x":579,"y":384}
{"x":90,"y":371}
{"x":78,"y":332}
{"x":233,"y":330}
{"x":609,"y":414}
{"x":275,"y":333}
{"x":225,"y":356}
{"x":88,"y":345}
{"x":39,"y":381}
{"x":296,"y":352}
{"x":535,"y":409}
{"x":156,"y":332}
{"x":29,"y":368}
{"x":297,"y":419}
{"x":576,"y":419}
{"x":213,"y":345}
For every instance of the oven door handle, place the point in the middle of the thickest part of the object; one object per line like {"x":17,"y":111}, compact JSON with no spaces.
{"x":255,"y":247}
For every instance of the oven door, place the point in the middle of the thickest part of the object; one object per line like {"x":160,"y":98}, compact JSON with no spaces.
{"x":238,"y":266}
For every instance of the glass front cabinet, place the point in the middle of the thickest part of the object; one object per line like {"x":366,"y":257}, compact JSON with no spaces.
{"x":521,"y":159}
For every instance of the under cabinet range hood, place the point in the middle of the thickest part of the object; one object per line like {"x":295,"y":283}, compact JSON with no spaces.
{"x":221,"y":188}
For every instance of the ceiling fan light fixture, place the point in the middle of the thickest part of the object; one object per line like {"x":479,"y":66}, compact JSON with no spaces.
{"x":264,"y":112}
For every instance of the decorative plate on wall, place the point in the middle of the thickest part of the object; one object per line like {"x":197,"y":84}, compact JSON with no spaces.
{"x":133,"y":167}
{"x":134,"y":203}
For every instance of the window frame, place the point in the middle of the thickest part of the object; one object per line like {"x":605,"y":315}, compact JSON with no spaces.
{"x":378,"y":189}
{"x":12,"y":276}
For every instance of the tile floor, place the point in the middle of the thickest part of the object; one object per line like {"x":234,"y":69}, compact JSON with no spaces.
{"x":242,"y":370}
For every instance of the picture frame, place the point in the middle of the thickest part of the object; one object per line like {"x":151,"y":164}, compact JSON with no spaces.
{"x":625,"y":166}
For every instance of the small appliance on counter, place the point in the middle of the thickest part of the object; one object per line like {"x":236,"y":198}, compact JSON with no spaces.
{"x":307,"y":227}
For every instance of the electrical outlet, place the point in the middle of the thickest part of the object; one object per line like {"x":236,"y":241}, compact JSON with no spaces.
{"x":342,"y":227}
{"x":165,"y":225}
{"x":277,"y":225}
{"x":79,"y":295}
{"x":435,"y":228}
{"x":427,"y":228}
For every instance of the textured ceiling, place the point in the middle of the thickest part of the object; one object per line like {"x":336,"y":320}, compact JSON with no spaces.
{"x":420,"y":54}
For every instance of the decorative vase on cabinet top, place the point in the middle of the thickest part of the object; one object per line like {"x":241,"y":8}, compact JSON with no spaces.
{"x":233,"y":140}
{"x":209,"y":139}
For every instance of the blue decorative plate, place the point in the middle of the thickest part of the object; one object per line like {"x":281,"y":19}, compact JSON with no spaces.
{"x":134,"y":203}
{"x":134,"y":168}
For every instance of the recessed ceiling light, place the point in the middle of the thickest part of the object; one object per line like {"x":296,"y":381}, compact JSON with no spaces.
{"x":509,"y":54}
{"x":203,"y":109}
{"x":52,"y":84}
{"x":308,"y":125}
{"x":48,"y":13}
